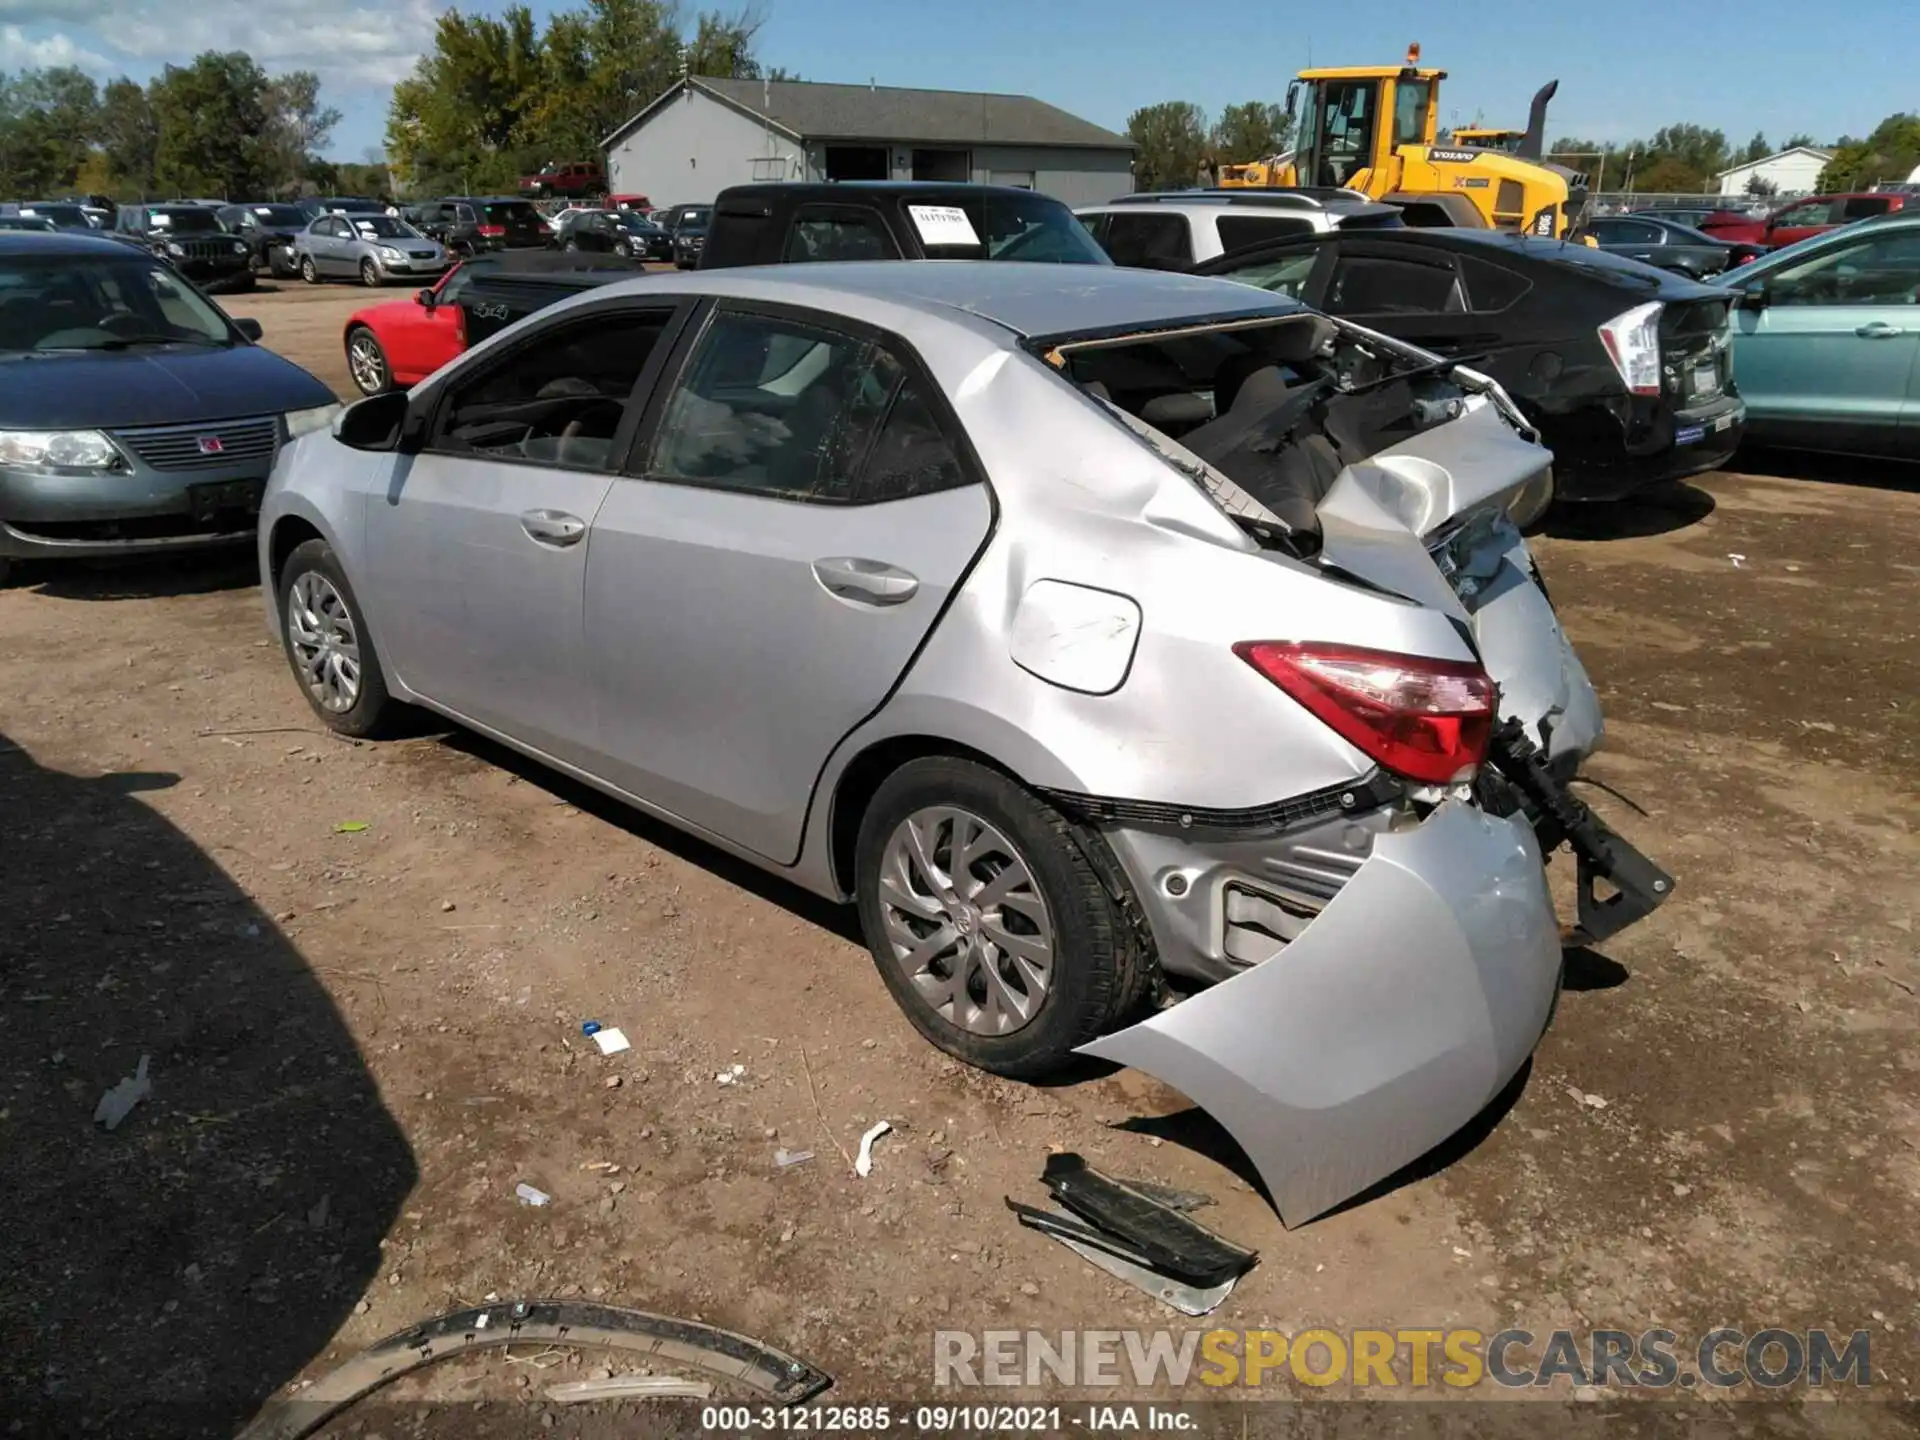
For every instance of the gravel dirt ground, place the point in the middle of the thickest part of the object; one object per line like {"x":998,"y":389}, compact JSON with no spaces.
{"x":359,"y":972}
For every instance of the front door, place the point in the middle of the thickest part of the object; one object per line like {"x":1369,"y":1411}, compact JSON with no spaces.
{"x":1829,"y":360}
{"x":791,"y":532}
{"x":477,"y":550}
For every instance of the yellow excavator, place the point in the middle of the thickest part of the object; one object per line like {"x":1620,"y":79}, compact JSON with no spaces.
{"x":1373,"y":129}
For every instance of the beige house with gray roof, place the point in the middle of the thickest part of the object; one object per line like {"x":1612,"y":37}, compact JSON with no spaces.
{"x":705,"y":134}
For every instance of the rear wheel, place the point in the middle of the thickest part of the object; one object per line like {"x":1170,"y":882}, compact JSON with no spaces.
{"x":328,"y":646}
{"x":1007,"y":934}
{"x":367,"y":362}
{"x":308,"y":272}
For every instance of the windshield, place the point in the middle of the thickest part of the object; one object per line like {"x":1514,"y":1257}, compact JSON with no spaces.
{"x":357,"y":207}
{"x":186,"y":220}
{"x":1001,"y":225}
{"x":281,"y":215}
{"x":627,"y":220}
{"x":60,"y":302}
{"x":382,"y":227}
{"x":695,"y":219}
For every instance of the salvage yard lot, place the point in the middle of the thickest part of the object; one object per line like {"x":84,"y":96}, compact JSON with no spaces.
{"x":360,"y":971}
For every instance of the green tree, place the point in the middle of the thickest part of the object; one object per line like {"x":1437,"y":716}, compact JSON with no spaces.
{"x":129,"y":137}
{"x":298,"y":126}
{"x":1795,"y":141}
{"x":212,"y":118}
{"x":1889,"y":154}
{"x":460,"y":112}
{"x":1251,"y":131}
{"x":1171,"y":141}
{"x":1757,"y":149}
{"x":47,"y":120}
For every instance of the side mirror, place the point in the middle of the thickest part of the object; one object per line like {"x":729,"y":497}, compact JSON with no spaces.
{"x":426,"y":298}
{"x":249,"y":328}
{"x":375,"y":423}
{"x":1755,"y":297}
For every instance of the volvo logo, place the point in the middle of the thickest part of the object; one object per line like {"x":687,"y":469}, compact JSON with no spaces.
{"x":210,"y":445}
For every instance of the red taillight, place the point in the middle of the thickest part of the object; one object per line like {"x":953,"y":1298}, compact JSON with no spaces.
{"x":1746,"y":259}
{"x":493,"y":232}
{"x":1428,"y":720}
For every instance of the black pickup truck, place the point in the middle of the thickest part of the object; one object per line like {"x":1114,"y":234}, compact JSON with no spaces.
{"x":509,"y":286}
{"x":790,"y":222}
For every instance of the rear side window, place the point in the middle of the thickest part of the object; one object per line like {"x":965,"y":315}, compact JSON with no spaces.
{"x":1149,"y":241}
{"x":1375,"y":285}
{"x":1625,"y":232}
{"x":1491,"y":287}
{"x":1859,"y":207}
{"x":793,"y":411}
{"x":1239,"y":231}
{"x":821,"y":233}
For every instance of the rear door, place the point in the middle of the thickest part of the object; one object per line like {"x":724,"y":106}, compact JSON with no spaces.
{"x":1829,"y":361}
{"x":477,"y":549}
{"x":1149,"y":239}
{"x":788,"y":534}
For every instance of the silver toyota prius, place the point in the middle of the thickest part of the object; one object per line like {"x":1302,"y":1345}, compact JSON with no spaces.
{"x":1147,"y":657}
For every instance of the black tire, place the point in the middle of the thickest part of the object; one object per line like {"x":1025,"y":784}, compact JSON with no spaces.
{"x":370,"y":275}
{"x":1103,"y":956}
{"x":623,"y":250}
{"x":369,"y":344}
{"x":572,"y":247}
{"x":308,"y":271}
{"x":375,"y":710}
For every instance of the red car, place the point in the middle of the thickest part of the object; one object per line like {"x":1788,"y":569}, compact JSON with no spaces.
{"x":1798,"y":219}
{"x":402,"y":342}
{"x":570,"y":179}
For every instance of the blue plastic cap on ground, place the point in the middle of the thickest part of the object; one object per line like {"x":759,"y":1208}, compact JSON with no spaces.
{"x":589,"y":1027}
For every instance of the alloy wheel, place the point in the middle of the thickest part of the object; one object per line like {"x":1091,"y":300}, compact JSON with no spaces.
{"x":368,"y":365}
{"x":325,"y":640}
{"x":307,"y":271}
{"x":965,"y":920}
{"x":369,"y":274}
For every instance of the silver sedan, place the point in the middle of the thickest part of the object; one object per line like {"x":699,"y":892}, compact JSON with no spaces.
{"x":1085,"y":636}
{"x":373,"y":249}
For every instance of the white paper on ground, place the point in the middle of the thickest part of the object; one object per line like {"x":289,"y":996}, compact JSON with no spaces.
{"x":943,"y":225}
{"x":863,"y":1162}
{"x":610,"y":1041}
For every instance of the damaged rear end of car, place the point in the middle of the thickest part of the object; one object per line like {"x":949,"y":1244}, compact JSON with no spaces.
{"x":1380,"y":952}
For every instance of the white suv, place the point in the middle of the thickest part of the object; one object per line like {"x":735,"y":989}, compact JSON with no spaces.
{"x":1175,"y":230}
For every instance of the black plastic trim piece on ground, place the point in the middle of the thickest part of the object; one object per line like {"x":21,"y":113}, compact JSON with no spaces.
{"x":780,"y":1377}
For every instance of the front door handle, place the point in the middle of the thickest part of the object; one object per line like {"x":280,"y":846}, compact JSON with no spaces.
{"x":1878,"y":330}
{"x":553,"y":527}
{"x":866,"y":582}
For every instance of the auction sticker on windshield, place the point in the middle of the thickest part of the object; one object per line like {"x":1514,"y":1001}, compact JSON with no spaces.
{"x":943,"y":225}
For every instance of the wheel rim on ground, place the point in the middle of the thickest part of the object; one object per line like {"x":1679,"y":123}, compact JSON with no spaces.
{"x":325,"y":642}
{"x":965,"y":921}
{"x":368,"y":365}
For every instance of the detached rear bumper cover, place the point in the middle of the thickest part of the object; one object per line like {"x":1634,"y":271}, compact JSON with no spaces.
{"x":1392,"y":1020}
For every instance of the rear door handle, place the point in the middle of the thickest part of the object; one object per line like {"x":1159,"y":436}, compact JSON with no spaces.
{"x":1878,"y":330}
{"x":866,"y":582}
{"x":553,"y":527}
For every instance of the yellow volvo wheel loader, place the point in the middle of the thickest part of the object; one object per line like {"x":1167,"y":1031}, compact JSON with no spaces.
{"x":1373,"y":129}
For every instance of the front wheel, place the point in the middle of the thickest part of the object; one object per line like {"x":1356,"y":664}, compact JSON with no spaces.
{"x":1008,"y":935}
{"x":308,"y":271}
{"x":328,"y":646}
{"x":623,"y":250}
{"x":370,"y":274}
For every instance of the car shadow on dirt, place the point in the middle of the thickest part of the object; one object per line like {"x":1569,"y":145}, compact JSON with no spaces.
{"x":1832,"y":469}
{"x":164,"y":1278}
{"x":1659,"y":511}
{"x":142,"y":579}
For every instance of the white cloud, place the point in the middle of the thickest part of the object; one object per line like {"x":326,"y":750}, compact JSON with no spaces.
{"x":20,"y":51}
{"x":353,"y":45}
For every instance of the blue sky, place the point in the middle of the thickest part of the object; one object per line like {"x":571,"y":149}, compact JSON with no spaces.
{"x":1624,"y":67}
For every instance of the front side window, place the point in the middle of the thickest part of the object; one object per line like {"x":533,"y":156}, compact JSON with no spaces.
{"x":819,"y":233}
{"x":556,"y":400}
{"x":1883,"y":270}
{"x":1286,"y":275}
{"x":1813,"y":213}
{"x":1410,"y":100}
{"x":792,"y":411}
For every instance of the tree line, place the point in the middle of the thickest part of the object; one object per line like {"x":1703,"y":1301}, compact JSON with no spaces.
{"x":1178,"y":146}
{"x":218,"y":128}
{"x":497,"y":97}
{"x":1685,"y":159}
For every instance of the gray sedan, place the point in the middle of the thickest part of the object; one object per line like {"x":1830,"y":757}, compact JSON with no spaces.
{"x":1039,"y":621}
{"x":371,"y":248}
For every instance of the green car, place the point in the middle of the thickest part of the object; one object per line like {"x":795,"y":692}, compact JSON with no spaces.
{"x":1826,"y":341}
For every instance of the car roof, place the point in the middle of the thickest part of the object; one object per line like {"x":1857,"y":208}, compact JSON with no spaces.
{"x":64,"y":242}
{"x":1027,"y":298}
{"x":873,"y":187}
